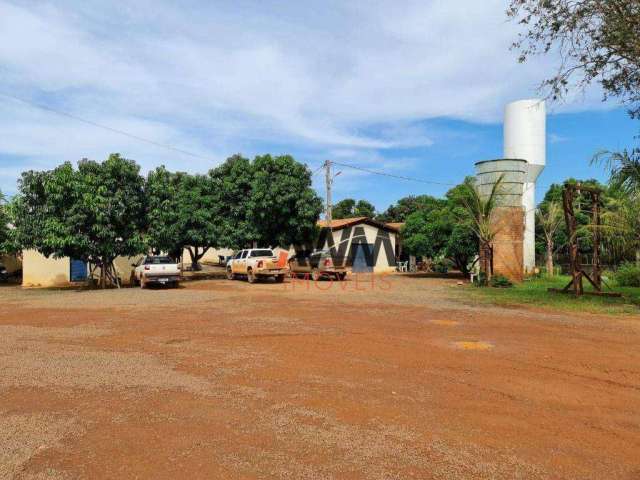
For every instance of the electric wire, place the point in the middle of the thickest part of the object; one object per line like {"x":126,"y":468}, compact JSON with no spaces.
{"x":203,"y":157}
{"x":107,"y":127}
{"x":401,"y":177}
{"x":317,"y":170}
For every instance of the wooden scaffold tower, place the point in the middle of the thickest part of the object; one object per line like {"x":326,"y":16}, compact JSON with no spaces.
{"x":575,"y":286}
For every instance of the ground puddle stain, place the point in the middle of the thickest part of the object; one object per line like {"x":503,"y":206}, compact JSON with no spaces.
{"x":465,"y":345}
{"x":446,"y":323}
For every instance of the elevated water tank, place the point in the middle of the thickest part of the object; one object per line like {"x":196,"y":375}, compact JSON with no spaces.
{"x":525,"y":137}
{"x":508,"y":217}
{"x":509,"y":193}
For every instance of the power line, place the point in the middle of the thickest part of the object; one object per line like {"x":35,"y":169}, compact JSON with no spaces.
{"x":195,"y":155}
{"x":401,"y":177}
{"x":106,"y":127}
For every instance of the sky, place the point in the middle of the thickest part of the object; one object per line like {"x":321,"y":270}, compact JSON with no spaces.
{"x":411,"y":88}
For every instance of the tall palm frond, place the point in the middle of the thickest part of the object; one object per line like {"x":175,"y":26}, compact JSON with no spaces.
{"x":623,"y":168}
{"x":480,"y":208}
{"x":621,"y":225}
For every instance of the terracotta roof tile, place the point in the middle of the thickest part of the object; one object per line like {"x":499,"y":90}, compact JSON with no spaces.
{"x":395,"y":225}
{"x":341,"y":222}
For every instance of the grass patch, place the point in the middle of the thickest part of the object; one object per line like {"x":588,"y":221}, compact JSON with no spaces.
{"x":534,"y":293}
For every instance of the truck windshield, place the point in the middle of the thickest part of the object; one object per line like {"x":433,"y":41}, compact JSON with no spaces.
{"x":158,"y":261}
{"x":261,"y":253}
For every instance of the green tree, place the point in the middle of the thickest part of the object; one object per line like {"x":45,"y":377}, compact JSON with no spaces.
{"x":349,"y":208}
{"x":94,"y":213}
{"x":283,"y":206}
{"x":163,"y":233}
{"x":365,"y":209}
{"x":406,"y":206}
{"x":425,"y":232}
{"x":621,"y":219}
{"x":232,"y":182}
{"x":621,"y":226}
{"x":439,"y":232}
{"x":584,"y":232}
{"x":596,"y":41}
{"x":462,"y":245}
{"x":550,"y":217}
{"x":182,"y":214}
{"x":269,"y":201}
{"x":344,"y":208}
{"x":4,"y":224}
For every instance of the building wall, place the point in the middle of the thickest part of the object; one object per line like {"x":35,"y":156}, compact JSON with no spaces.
{"x":210,"y":257}
{"x":124,"y":267}
{"x":508,"y":250}
{"x":40,"y":271}
{"x":381,"y":263}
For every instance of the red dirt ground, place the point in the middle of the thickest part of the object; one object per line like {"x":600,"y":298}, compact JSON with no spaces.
{"x":397,"y":379}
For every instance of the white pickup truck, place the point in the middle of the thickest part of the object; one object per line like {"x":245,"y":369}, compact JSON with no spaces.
{"x":255,"y":263}
{"x":156,"y":269}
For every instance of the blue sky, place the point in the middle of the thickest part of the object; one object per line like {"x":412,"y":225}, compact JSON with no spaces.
{"x":413,"y":88}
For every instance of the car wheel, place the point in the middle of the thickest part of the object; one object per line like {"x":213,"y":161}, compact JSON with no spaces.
{"x":279,"y":278}
{"x":315,"y":275}
{"x":342,"y":276}
{"x":251,"y":278}
{"x":230,"y":275}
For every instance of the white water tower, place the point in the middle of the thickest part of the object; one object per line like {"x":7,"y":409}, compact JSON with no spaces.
{"x":525,"y":137}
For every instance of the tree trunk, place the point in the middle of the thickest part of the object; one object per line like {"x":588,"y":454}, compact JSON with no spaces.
{"x":196,"y":255}
{"x":461,"y":264}
{"x":485,"y":260}
{"x":103,"y":273}
{"x":638,"y":258}
{"x":490,"y":250}
{"x":550,"y":272}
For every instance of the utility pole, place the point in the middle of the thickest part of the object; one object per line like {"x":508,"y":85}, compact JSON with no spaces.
{"x":328,"y":181}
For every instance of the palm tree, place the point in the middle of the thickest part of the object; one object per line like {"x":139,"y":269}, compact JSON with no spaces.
{"x":480,"y":208}
{"x":624,"y":169}
{"x":621,"y":225}
{"x":623,"y":220}
{"x":550,"y":220}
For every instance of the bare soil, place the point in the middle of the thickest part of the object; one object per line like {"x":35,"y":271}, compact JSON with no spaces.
{"x":392,"y":379}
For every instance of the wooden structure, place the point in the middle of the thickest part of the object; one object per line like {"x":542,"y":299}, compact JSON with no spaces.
{"x":575,"y":286}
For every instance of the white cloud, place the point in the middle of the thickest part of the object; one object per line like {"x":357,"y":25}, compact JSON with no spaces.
{"x":217,"y":77}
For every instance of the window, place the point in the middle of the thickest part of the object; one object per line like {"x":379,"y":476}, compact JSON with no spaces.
{"x":158,"y":261}
{"x":238,"y":255}
{"x":244,"y":254}
{"x":261,"y":253}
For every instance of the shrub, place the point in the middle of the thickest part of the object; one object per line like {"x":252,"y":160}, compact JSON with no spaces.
{"x":442,"y":266}
{"x":500,"y":281}
{"x":628,"y":275}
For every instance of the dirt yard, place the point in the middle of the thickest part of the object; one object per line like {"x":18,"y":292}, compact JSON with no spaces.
{"x":393,"y":380}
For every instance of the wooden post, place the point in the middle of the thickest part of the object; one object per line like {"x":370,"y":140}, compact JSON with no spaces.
{"x":597,"y":273}
{"x":574,"y":257}
{"x":577,"y":272}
